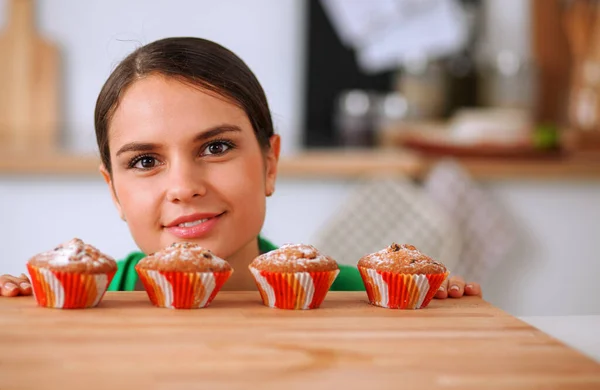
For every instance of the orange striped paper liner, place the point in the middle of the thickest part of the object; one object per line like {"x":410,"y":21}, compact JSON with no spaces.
{"x":182,"y":290}
{"x":68,"y":290}
{"x":294,"y":290}
{"x":400,"y":291}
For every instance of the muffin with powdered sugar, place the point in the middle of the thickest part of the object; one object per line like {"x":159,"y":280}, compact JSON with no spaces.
{"x":401,"y":277}
{"x":74,"y":275}
{"x":295,"y":276}
{"x":183,"y":276}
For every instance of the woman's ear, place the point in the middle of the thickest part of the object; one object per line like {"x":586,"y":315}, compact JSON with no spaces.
{"x":272,"y":160}
{"x":108,"y":179}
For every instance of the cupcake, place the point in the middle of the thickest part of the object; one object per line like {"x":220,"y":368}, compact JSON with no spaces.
{"x":294,"y":276}
{"x":401,"y":277}
{"x":74,"y":275}
{"x":183,"y":276}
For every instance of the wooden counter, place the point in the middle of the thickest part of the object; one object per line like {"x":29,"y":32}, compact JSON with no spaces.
{"x":238,"y":343}
{"x":338,"y":164}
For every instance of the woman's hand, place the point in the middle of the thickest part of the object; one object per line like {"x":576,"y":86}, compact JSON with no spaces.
{"x":12,"y":286}
{"x":455,"y":287}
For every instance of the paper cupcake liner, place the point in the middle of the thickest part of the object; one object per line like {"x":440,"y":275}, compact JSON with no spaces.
{"x":400,"y":291}
{"x":298,"y":290}
{"x":182,"y":290}
{"x":68,"y":290}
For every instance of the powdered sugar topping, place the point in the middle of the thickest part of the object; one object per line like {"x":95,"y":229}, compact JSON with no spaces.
{"x":75,"y":251}
{"x":186,"y":251}
{"x":410,"y":255}
{"x":300,"y":253}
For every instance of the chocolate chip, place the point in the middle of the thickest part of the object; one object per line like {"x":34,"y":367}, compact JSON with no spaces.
{"x":207,"y":255}
{"x":394,"y":247}
{"x":413,"y":261}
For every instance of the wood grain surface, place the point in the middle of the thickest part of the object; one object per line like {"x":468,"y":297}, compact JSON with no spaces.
{"x":239,"y":343}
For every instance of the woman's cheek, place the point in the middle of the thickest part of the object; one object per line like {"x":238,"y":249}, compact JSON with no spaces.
{"x":246,"y":195}
{"x":140,"y":208}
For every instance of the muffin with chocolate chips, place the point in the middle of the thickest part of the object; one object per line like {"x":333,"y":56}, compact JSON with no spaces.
{"x":183,"y":276}
{"x":74,"y":275}
{"x":295,"y":276}
{"x":401,"y":277}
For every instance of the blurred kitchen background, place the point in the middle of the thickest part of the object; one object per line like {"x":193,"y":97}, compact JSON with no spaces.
{"x":468,"y":128}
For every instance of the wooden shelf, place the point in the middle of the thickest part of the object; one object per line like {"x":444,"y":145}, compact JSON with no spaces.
{"x":48,"y":163}
{"x":336,"y":164}
{"x":370,"y":163}
{"x":350,"y":164}
{"x":563,"y":169}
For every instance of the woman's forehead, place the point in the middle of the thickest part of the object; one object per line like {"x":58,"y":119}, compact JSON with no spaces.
{"x":157,"y":105}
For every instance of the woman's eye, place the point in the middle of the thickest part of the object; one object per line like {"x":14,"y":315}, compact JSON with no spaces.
{"x":216,"y":148}
{"x":145,"y":163}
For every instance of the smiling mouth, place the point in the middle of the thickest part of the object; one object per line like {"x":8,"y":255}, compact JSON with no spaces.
{"x":194,"y":223}
{"x":197,"y":222}
{"x":195,"y":229}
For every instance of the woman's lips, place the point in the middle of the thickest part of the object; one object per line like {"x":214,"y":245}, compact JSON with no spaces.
{"x":188,"y":227}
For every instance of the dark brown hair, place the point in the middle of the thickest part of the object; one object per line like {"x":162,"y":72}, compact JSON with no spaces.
{"x":197,"y":61}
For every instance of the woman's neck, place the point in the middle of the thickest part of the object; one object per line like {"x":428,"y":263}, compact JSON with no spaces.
{"x":242,"y":279}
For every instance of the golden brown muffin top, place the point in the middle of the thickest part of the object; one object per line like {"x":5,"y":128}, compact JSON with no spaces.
{"x":402,"y":259}
{"x":75,"y":256}
{"x":294,"y":258}
{"x":184,"y":257}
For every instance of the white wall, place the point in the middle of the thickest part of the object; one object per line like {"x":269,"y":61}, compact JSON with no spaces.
{"x":556,"y":270}
{"x":94,"y":35}
{"x":38,"y":214}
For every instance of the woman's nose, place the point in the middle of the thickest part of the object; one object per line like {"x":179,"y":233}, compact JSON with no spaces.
{"x":185,"y":183}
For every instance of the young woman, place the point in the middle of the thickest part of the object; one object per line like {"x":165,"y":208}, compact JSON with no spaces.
{"x":189,"y":153}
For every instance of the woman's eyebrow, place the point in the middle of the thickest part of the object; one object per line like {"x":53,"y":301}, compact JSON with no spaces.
{"x":137,"y":147}
{"x":215,"y":131}
{"x":203,"y":136}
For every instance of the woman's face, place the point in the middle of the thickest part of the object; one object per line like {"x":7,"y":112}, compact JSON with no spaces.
{"x":186,"y":166}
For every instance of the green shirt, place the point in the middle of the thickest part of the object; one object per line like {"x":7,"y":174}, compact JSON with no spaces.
{"x":126,"y":278}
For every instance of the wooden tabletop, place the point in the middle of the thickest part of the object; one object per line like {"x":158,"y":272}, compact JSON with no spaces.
{"x":238,"y":343}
